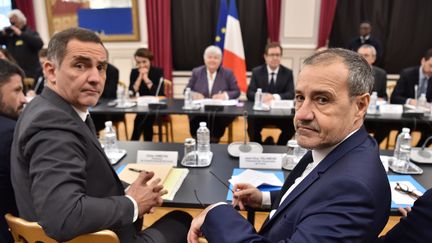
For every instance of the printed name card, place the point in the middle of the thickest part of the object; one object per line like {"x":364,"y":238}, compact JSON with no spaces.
{"x":261,"y":161}
{"x":153,"y":156}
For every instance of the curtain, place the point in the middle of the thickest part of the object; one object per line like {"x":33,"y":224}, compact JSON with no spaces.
{"x":194,"y":28}
{"x":159,"y":34}
{"x":399,"y":25}
{"x":328,"y":8}
{"x":273,"y":10}
{"x":27,"y":8}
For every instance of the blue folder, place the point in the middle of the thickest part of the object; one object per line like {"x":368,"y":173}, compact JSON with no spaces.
{"x":279,"y":174}
{"x":393,"y":178}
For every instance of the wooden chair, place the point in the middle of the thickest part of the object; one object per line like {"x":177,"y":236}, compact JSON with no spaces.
{"x":31,"y":232}
{"x":166,"y":121}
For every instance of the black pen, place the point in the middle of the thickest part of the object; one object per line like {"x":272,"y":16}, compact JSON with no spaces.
{"x":136,"y":170}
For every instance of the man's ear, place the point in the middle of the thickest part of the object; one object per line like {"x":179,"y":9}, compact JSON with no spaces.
{"x":49,"y":70}
{"x":362,"y":103}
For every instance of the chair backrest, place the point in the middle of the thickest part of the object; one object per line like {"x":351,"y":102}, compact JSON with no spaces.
{"x":168,"y":88}
{"x":32,"y":232}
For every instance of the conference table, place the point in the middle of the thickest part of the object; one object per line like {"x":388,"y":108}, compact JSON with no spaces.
{"x":202,"y":184}
{"x":175,"y":107}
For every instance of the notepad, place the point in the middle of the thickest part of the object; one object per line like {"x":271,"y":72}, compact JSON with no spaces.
{"x":172,"y":178}
{"x":279,"y":174}
{"x":400,"y":199}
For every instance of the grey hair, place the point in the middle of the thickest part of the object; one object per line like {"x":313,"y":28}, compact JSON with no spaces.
{"x":371,"y":47}
{"x":17,"y":13}
{"x":360,"y":78}
{"x":213,"y":50}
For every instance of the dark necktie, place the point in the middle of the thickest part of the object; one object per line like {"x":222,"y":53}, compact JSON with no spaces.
{"x":295,"y":173}
{"x":272,"y":84}
{"x":90,"y":124}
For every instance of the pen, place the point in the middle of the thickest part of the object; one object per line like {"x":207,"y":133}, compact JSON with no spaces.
{"x":136,"y":170}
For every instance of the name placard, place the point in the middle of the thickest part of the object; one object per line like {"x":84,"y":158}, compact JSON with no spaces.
{"x":153,"y":156}
{"x":261,"y":161}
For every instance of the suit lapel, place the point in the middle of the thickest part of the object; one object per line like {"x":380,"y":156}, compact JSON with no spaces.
{"x":264,"y":79}
{"x":205,"y":83}
{"x":345,"y":147}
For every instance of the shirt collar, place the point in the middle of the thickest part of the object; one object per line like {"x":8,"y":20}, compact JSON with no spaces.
{"x":269,"y":70}
{"x":81,"y":114}
{"x":208,"y":74}
{"x":319,"y":154}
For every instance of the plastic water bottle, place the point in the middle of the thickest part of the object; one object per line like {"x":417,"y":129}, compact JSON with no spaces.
{"x":110,"y":140}
{"x":188,"y":98}
{"x":372,"y":108}
{"x":293,"y":155}
{"x":203,"y":138}
{"x":396,"y":152}
{"x":402,"y":151}
{"x":258,"y":98}
{"x":422,"y":103}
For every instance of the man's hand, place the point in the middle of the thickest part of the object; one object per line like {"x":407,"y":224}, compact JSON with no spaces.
{"x":16,"y":30}
{"x":267,"y":98}
{"x":246,"y":195}
{"x":219,"y":96}
{"x":197,"y":96}
{"x":404,"y":211}
{"x":146,"y":196}
{"x":195,"y":229}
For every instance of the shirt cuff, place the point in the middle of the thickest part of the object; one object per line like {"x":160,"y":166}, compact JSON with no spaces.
{"x":277,"y":97}
{"x":135,"y":215}
{"x":217,"y":204}
{"x":266,"y":200}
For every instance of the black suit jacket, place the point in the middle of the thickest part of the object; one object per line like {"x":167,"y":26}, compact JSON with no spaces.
{"x":355,"y":43}
{"x":7,"y":203}
{"x":404,"y":88}
{"x":380,"y":85}
{"x":284,"y":82}
{"x":61,"y":176}
{"x":112,"y":79}
{"x":416,"y":227}
{"x":155,"y":74}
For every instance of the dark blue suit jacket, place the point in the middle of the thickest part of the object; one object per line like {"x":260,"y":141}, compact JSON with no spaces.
{"x":416,"y":227}
{"x":345,"y":198}
{"x":7,"y":203}
{"x":224,"y":82}
{"x":404,"y":89}
{"x":284,"y":84}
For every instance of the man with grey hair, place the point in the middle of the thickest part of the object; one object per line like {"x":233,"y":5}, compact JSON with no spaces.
{"x":214,"y":82}
{"x":22,"y":42}
{"x":61,"y":176}
{"x":339,"y":190}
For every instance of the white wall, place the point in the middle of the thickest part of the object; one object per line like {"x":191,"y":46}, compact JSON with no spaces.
{"x":299,"y":34}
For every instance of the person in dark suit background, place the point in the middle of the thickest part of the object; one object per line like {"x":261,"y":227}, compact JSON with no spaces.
{"x":365,"y":37}
{"x":22,"y":42}
{"x":144,"y":80}
{"x":12,"y":102}
{"x":276,"y":82}
{"x":415,"y":226}
{"x":368,"y":52}
{"x":215,"y":82}
{"x":404,"y":91}
{"x":61,"y":176}
{"x":339,"y":191}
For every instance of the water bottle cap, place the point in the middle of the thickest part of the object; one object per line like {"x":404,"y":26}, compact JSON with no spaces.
{"x":374,"y":93}
{"x":259,"y":90}
{"x":108,"y":123}
{"x":203,"y":124}
{"x":406,"y":130}
{"x":292,"y":143}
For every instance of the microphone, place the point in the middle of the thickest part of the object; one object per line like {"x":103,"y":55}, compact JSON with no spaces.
{"x":422,"y":155}
{"x":235,"y":148}
{"x":161,"y":80}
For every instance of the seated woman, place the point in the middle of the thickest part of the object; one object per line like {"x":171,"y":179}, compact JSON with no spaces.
{"x":215,"y":82}
{"x":144,"y":80}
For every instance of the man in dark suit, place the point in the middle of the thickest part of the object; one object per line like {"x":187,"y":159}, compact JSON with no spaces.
{"x":12,"y":102}
{"x":380,"y":86}
{"x":339,"y":190}
{"x":215,"y":82}
{"x":276,"y":83}
{"x":365,"y":37}
{"x":404,"y":91}
{"x":61,"y":176}
{"x":415,"y":226}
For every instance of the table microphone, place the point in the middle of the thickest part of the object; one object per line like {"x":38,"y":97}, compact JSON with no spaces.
{"x":235,"y":148}
{"x":422,"y":155}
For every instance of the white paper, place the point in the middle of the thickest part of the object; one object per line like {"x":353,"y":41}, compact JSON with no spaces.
{"x":385,"y":162}
{"x":256,"y":178}
{"x":401,"y":197}
{"x":260,"y":160}
{"x":145,"y":100}
{"x":282,"y":104}
{"x":203,"y":102}
{"x":391,"y":109}
{"x":152,"y":156}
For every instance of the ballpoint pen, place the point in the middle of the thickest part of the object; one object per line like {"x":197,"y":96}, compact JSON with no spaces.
{"x":136,"y":170}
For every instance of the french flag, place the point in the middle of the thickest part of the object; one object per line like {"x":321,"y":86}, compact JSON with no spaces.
{"x":233,"y":56}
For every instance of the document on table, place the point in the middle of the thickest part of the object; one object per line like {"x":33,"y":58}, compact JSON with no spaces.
{"x":402,"y":199}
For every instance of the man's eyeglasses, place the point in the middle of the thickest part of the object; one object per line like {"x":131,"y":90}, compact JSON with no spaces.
{"x":406,"y":189}
{"x":274,"y":55}
{"x":220,"y":180}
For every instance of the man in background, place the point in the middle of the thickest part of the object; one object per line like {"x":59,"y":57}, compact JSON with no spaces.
{"x":276,"y":83}
{"x":365,"y":37}
{"x":22,"y":42}
{"x":12,"y":102}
